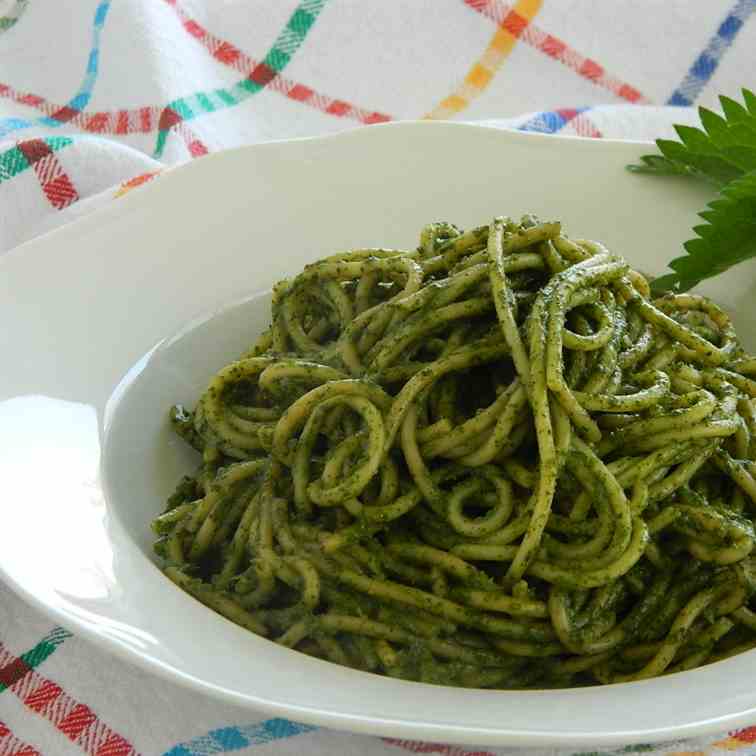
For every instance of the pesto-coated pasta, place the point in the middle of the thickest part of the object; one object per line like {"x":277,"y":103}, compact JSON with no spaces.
{"x":491,"y":461}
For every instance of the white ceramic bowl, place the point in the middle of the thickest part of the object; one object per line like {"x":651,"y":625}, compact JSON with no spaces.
{"x":85,"y":465}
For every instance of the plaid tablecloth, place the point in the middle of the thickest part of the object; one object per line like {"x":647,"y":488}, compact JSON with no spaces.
{"x":99,"y":96}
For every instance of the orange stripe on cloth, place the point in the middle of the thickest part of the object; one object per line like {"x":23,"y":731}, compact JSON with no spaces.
{"x":133,"y":183}
{"x":485,"y":68}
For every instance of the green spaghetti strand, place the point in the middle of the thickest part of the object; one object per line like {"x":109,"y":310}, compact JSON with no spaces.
{"x":491,"y":461}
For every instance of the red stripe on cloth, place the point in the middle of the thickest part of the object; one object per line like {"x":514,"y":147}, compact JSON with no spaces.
{"x":197,"y":149}
{"x":76,"y":721}
{"x":591,"y":70}
{"x":122,"y":122}
{"x":748,"y":735}
{"x":55,"y":183}
{"x":65,"y":114}
{"x":27,"y":98}
{"x":338,"y":107}
{"x":145,"y":119}
{"x":10,"y":745}
{"x":501,"y":14}
{"x":194,"y":29}
{"x":193,"y":143}
{"x":631,"y":94}
{"x":300,"y":93}
{"x":30,"y":99}
{"x":552,"y":46}
{"x":226,"y":53}
{"x":97,"y":123}
{"x":585,"y":127}
{"x":368,"y":118}
{"x":73,"y":719}
{"x":43,"y":697}
{"x":115,"y":745}
{"x":579,"y":121}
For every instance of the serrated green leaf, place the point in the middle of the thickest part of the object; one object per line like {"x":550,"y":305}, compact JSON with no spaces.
{"x":733,"y":110}
{"x":695,"y":139}
{"x":724,"y":153}
{"x":713,"y":124}
{"x":660,"y":166}
{"x":727,"y":238}
{"x":749,"y":98}
{"x":672,"y":150}
{"x":702,"y":228}
{"x":724,"y":150}
{"x":710,"y":166}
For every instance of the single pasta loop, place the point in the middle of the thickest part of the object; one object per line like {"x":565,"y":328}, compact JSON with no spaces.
{"x":491,"y":461}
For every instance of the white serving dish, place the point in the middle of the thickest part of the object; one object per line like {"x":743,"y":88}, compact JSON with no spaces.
{"x":83,"y":304}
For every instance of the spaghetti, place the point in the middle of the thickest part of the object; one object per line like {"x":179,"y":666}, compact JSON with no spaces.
{"x":491,"y":461}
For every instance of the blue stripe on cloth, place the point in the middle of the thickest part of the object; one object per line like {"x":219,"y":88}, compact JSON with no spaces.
{"x":19,"y":123}
{"x":94,"y":61}
{"x":84,"y":94}
{"x":706,"y":63}
{"x":101,"y":13}
{"x":551,"y":121}
{"x":226,"y":739}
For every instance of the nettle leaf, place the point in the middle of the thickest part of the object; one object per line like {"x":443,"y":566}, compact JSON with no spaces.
{"x":733,"y":110}
{"x":678,"y":160}
{"x":727,"y":237}
{"x":715,"y":125}
{"x":659,"y":165}
{"x":749,"y":98}
{"x":722,"y":151}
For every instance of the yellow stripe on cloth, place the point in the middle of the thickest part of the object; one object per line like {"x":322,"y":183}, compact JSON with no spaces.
{"x":484,"y":69}
{"x":730,"y":743}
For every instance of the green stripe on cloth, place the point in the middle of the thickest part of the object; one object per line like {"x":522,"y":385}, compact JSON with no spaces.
{"x":287,"y":43}
{"x":13,"y":161}
{"x":14,"y":670}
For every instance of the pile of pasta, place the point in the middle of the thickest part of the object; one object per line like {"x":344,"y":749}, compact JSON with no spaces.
{"x":491,"y":461}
